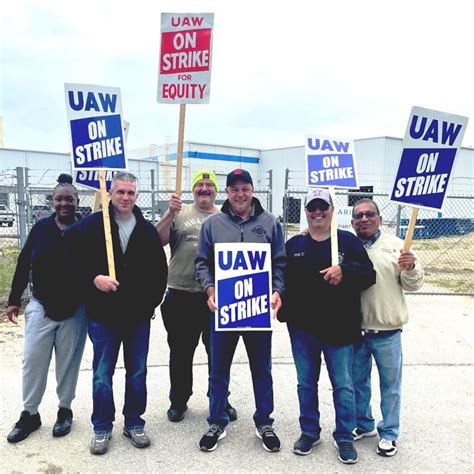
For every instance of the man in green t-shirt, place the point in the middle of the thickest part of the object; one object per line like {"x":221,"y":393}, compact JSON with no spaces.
{"x":185,"y":312}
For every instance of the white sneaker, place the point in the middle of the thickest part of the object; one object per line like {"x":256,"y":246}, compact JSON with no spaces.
{"x":387,"y":448}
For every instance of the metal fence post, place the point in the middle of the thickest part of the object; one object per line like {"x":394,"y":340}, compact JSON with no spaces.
{"x":21,"y":203}
{"x":28,"y":200}
{"x":399,"y":215}
{"x":153,"y":205}
{"x":285,"y":204}
{"x":270,"y":194}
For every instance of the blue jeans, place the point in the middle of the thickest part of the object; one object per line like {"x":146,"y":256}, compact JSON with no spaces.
{"x":386,"y":349}
{"x":307,"y":350}
{"x":258,"y":345}
{"x":106,"y":339}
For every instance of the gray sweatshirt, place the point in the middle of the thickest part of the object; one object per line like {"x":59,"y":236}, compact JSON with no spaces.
{"x":223,"y":226}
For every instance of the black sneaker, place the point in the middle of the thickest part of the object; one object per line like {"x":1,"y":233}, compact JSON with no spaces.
{"x":100,"y":442}
{"x":138,"y":436}
{"x":24,"y":427}
{"x":304,"y":444}
{"x":209,"y":440}
{"x":387,"y":448}
{"x":347,"y":452}
{"x":231,"y":412}
{"x":270,"y":439}
{"x":63,"y":423}
{"x":176,"y":414}
{"x":359,"y":434}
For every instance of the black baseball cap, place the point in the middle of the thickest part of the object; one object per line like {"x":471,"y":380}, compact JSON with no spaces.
{"x":238,"y":175}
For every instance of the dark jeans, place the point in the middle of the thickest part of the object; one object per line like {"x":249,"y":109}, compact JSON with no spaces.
{"x":258,"y":345}
{"x":307,"y":350}
{"x":186,"y":318}
{"x":106,"y":339}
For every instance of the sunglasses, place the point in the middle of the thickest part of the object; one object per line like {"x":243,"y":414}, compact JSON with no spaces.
{"x":321,"y":205}
{"x":367,"y":214}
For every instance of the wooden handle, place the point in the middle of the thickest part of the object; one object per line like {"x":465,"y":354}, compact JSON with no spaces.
{"x":107,"y":231}
{"x":179,"y":157}
{"x":95,"y":206}
{"x":411,"y":228}
{"x":334,"y":242}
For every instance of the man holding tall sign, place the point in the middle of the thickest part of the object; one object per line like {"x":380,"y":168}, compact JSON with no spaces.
{"x":384,"y":313}
{"x":119,"y":309}
{"x":241,"y":219}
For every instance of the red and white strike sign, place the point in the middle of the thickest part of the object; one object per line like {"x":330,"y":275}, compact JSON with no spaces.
{"x":185,"y":58}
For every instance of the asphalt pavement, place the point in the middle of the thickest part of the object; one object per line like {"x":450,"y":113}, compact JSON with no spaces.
{"x":436,"y":425}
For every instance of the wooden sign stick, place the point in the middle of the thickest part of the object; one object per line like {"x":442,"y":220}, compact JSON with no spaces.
{"x":179,"y":158}
{"x":95,"y":206}
{"x":107,"y":231}
{"x":334,"y":243}
{"x":410,"y":230}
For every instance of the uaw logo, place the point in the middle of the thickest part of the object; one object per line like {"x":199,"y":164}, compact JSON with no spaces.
{"x":258,"y":231}
{"x":340,"y":257}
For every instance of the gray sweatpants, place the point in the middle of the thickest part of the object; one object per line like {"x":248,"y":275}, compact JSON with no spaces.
{"x":42,"y":334}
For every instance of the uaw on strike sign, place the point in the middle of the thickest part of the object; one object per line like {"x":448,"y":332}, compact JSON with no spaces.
{"x":330,"y":162}
{"x":243,"y":286}
{"x":89,"y":178}
{"x":431,"y":142}
{"x":185,"y":58}
{"x":95,"y":120}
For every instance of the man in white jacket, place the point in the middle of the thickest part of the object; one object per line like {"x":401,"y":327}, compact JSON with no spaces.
{"x":384,"y":312}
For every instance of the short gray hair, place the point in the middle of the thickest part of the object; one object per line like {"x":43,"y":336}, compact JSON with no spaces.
{"x":124,"y":176}
{"x":365,"y":201}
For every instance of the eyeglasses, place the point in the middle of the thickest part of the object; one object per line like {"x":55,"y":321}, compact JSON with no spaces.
{"x":368,"y":214}
{"x":317,"y":204}
{"x":202,"y":185}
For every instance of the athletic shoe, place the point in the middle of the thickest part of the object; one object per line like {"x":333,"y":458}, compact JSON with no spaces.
{"x":24,"y":427}
{"x":231,"y":412}
{"x":176,"y":414}
{"x":359,"y":434}
{"x":387,"y":448}
{"x":100,"y":442}
{"x":209,"y":441}
{"x":304,"y":444}
{"x":270,"y":439}
{"x":63,"y":422}
{"x":138,"y":436}
{"x":347,"y":452}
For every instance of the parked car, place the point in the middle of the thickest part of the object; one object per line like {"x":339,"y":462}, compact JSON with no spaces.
{"x":6,"y":216}
{"x":40,"y":212}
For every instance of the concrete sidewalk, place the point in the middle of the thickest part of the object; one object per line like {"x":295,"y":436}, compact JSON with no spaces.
{"x":437,"y":412}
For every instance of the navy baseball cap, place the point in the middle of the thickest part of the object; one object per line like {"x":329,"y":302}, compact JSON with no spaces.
{"x":238,"y":175}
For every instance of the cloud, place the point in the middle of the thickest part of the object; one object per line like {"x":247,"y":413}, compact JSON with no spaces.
{"x":280,"y":69}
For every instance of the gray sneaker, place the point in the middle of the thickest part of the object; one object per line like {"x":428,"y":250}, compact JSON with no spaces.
{"x":138,"y":436}
{"x":100,"y":442}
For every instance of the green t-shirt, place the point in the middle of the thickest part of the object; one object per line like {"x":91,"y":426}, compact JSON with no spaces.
{"x":184,"y":234}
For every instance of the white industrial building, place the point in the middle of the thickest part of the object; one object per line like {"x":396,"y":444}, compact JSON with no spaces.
{"x":377,"y":162}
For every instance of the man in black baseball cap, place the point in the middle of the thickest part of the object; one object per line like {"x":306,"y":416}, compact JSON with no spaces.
{"x":238,"y":175}
{"x":241,"y":219}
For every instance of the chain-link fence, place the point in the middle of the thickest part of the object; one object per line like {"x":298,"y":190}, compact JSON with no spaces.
{"x":443,"y":244}
{"x":24,"y":201}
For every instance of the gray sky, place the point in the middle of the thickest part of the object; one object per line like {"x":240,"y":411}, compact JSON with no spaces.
{"x":281,"y":69}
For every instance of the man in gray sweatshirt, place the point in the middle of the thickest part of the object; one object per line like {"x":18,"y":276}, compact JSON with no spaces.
{"x":241,"y":219}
